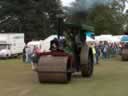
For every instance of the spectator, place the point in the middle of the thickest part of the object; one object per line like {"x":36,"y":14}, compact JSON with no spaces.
{"x":54,"y":44}
{"x":28,"y":51}
{"x":94,"y":52}
{"x":35,"y":57}
{"x":97,"y":53}
{"x":105,"y":50}
{"x":24,"y":54}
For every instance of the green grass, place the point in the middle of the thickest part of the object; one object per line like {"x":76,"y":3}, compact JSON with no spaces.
{"x":110,"y":79}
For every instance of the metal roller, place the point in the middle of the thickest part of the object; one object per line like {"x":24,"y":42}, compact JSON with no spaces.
{"x":54,"y":69}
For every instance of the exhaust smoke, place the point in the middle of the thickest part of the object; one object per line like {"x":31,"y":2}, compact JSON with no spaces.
{"x":80,"y":8}
{"x":86,"y":5}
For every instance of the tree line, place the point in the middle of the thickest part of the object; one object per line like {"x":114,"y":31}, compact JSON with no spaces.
{"x":38,"y":18}
{"x":35,"y":18}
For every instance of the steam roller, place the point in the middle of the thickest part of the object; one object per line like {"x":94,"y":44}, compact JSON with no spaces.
{"x":58,"y":65}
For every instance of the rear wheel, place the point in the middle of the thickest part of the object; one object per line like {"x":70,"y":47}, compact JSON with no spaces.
{"x":87,"y":69}
{"x":86,"y":60}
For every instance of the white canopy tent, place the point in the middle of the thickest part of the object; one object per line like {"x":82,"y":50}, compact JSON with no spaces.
{"x":108,"y":38}
{"x":117,"y":38}
{"x":89,"y":39}
{"x":104,"y":38}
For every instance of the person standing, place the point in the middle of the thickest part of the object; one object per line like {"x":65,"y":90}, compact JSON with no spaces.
{"x":105,"y":50}
{"x":24,"y":54}
{"x":35,"y":57}
{"x":28,"y":51}
{"x":92,"y":45}
{"x":97,"y":53}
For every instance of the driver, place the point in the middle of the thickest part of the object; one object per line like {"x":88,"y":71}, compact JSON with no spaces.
{"x":54,"y":44}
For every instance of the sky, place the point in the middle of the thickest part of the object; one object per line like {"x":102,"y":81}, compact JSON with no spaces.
{"x":66,"y":2}
{"x":126,"y":7}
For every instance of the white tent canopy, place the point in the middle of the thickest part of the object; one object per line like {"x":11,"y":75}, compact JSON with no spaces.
{"x":89,"y":39}
{"x":109,"y":38}
{"x":117,"y":38}
{"x":104,"y":38}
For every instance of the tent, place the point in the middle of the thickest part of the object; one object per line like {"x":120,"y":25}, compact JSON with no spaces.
{"x":117,"y":38}
{"x":89,"y":39}
{"x":104,"y":38}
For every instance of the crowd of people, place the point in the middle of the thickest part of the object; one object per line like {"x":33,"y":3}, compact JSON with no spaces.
{"x":101,"y":50}
{"x":106,"y":50}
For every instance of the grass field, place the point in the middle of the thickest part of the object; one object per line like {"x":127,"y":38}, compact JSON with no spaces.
{"x":110,"y":79}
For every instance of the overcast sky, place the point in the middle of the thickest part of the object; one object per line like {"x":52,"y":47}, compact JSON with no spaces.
{"x":66,"y":2}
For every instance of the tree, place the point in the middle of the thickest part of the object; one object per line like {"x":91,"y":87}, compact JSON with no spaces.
{"x":105,"y":15}
{"x":36,"y":18}
{"x":105,"y":22}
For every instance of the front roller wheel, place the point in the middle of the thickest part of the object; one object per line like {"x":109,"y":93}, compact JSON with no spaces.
{"x":54,"y":77}
{"x":54,"y":69}
{"x":86,"y":60}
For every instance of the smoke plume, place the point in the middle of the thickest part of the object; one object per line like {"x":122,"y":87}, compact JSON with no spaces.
{"x":86,"y":5}
{"x":80,"y":8}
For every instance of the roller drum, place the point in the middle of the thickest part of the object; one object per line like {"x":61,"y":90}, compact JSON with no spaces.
{"x":54,"y":69}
